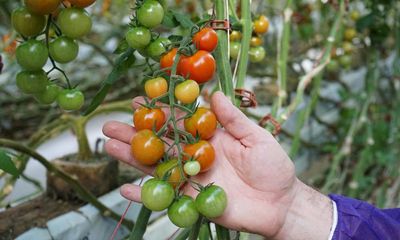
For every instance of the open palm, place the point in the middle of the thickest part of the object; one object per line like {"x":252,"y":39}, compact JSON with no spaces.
{"x":250,"y":165}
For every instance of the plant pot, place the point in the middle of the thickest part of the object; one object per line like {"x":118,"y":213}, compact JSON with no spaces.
{"x":99,"y":176}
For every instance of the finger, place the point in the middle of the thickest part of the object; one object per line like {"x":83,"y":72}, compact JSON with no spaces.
{"x":120,"y":131}
{"x":131,"y":192}
{"x":122,"y":152}
{"x":235,"y":122}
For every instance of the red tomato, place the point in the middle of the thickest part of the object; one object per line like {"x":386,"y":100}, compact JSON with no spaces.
{"x":206,"y":39}
{"x":167,"y":60}
{"x":203,"y":152}
{"x":146,"y":118}
{"x":199,"y":67}
{"x":203,"y":123}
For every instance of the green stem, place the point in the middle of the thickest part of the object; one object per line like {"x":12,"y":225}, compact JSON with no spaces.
{"x":222,"y":232}
{"x":184,"y":234}
{"x":194,"y":233}
{"x":282,"y":59}
{"x":141,"y":224}
{"x":81,"y":191}
{"x":245,"y":44}
{"x":221,"y":54}
{"x":84,"y":151}
{"x":232,"y":10}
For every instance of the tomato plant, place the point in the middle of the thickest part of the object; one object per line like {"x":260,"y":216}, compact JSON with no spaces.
{"x":42,"y":7}
{"x":211,"y":202}
{"x":203,"y":152}
{"x":187,"y":92}
{"x":156,"y":87}
{"x":138,"y":37}
{"x":63,"y":49}
{"x":206,"y":39}
{"x":26,"y":23}
{"x":74,"y":22}
{"x":32,"y":82}
{"x":169,"y":171}
{"x":200,"y":67}
{"x":183,"y":212}
{"x":70,"y":99}
{"x":202,"y":123}
{"x":150,"y":14}
{"x":157,"y":195}
{"x":146,"y":118}
{"x":146,"y":147}
{"x":32,"y":55}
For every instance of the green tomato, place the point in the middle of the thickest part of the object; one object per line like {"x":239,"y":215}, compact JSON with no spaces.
{"x":234,"y":50}
{"x":333,"y":66}
{"x":49,"y":95}
{"x":70,"y":99}
{"x":345,"y":61}
{"x":183,"y":212}
{"x":138,"y":37}
{"x":63,"y":49}
{"x":157,"y":195}
{"x":26,"y":23}
{"x":257,"y":54}
{"x":74,"y":22}
{"x":212,"y":201}
{"x":192,"y":168}
{"x":32,"y":55}
{"x":157,"y":48}
{"x":150,"y":14}
{"x":32,"y":81}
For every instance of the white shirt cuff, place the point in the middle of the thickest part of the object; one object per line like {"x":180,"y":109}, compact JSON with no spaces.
{"x":334,"y":220}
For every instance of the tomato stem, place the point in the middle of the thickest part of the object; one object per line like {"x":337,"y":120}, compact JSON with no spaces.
{"x":222,"y":232}
{"x":245,"y":44}
{"x":141,"y":224}
{"x":194,"y":233}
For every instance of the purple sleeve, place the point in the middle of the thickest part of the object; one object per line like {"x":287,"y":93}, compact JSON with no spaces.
{"x":358,"y":220}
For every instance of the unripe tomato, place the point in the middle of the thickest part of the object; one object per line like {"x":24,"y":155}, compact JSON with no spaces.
{"x":32,"y":82}
{"x":192,"y":168}
{"x":187,"y":91}
{"x":150,"y":14}
{"x":345,"y":61}
{"x":42,"y":7}
{"x":32,"y":55}
{"x":171,"y":169}
{"x":347,"y":47}
{"x":212,"y":201}
{"x":156,"y":87}
{"x":70,"y":99}
{"x":256,"y":41}
{"x":63,"y":49}
{"x":203,"y":152}
{"x":257,"y":54}
{"x":146,"y":118}
{"x":355,"y":15}
{"x":26,"y":23}
{"x":167,"y":60}
{"x":157,"y":48}
{"x":81,"y":3}
{"x":333,"y":66}
{"x":146,"y":147}
{"x":261,"y":25}
{"x":203,"y":123}
{"x":199,"y":67}
{"x":350,"y":34}
{"x":49,"y":95}
{"x":234,"y":50}
{"x":157,"y":195}
{"x":183,"y":212}
{"x":74,"y":22}
{"x":206,"y":39}
{"x":235,"y":36}
{"x":138,"y":37}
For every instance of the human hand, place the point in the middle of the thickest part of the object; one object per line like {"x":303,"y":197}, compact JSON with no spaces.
{"x":251,"y":166}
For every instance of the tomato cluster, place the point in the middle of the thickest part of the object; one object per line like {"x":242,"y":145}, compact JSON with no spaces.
{"x":257,"y":52}
{"x":174,"y":135}
{"x":36,"y":19}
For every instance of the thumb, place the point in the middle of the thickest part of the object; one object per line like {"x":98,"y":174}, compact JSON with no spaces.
{"x":235,"y":122}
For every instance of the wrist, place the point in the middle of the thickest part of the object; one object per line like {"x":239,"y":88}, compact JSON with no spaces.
{"x":309,"y":215}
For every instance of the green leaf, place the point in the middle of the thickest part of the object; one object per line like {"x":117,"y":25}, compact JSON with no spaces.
{"x":7,"y":165}
{"x":365,"y":22}
{"x":123,"y":63}
{"x":122,"y":47}
{"x":169,"y":20}
{"x":183,"y":19}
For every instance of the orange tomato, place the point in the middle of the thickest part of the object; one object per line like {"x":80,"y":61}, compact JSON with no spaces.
{"x":170,"y":168}
{"x":167,"y":60}
{"x":203,"y":152}
{"x":156,"y":87}
{"x":42,"y":7}
{"x":146,"y":147}
{"x":146,"y":118}
{"x":203,"y":123}
{"x":82,"y":3}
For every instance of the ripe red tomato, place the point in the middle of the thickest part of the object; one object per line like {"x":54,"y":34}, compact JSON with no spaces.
{"x":203,"y":152}
{"x":203,"y":123}
{"x":42,"y":7}
{"x":82,"y":3}
{"x":156,"y":87}
{"x":146,"y":118}
{"x":199,"y":67}
{"x":167,"y":60}
{"x":206,"y":39}
{"x":146,"y":147}
{"x":169,"y":171}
